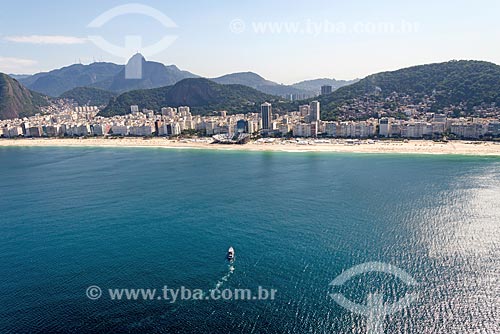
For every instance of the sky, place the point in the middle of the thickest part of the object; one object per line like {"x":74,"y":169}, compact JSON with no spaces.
{"x":284,"y":41}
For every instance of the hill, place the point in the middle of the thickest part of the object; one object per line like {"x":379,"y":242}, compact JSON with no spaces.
{"x":88,"y":96}
{"x":16,"y":100}
{"x":449,"y":84}
{"x":249,"y":79}
{"x":202,"y":95}
{"x":257,"y":82}
{"x":315,"y":84}
{"x":56,"y":82}
{"x":19,"y":76}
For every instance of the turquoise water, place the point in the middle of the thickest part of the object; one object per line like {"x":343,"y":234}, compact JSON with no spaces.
{"x":145,"y":218}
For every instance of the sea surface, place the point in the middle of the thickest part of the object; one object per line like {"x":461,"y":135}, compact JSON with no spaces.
{"x":71,"y":218}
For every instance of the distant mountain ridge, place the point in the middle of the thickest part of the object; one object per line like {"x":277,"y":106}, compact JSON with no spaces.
{"x":56,"y":82}
{"x":305,"y":88}
{"x":111,"y":77}
{"x":316,"y":84}
{"x":16,"y":100}
{"x":106,"y":76}
{"x":249,"y":79}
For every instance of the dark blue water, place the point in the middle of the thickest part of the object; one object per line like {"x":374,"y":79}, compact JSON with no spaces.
{"x":145,"y":218}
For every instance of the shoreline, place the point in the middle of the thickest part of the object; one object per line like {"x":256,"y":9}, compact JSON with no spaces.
{"x":421,"y":147}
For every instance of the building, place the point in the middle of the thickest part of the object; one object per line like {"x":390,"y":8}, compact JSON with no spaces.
{"x":168,"y":111}
{"x":266,"y":110}
{"x":314,"y":129}
{"x":184,"y":111}
{"x":326,"y":89}
{"x":253,"y":126}
{"x":304,"y":110}
{"x":134,"y":109}
{"x":242,"y":126}
{"x":331,"y":129}
{"x":314,"y":113}
{"x":302,"y":130}
{"x":385,"y":127}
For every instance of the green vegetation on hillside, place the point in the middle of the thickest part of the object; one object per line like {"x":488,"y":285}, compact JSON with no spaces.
{"x":451,"y":83}
{"x":56,"y":82}
{"x":202,"y":95}
{"x":89,"y":96}
{"x":16,"y":100}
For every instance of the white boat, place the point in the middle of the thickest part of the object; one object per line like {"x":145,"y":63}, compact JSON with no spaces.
{"x":230,"y":253}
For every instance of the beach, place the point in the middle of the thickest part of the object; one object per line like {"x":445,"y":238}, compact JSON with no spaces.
{"x":476,"y":148}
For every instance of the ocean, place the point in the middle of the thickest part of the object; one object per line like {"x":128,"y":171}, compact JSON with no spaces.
{"x":146,"y":218}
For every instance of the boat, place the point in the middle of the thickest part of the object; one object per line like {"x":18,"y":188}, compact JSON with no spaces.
{"x":230,"y":253}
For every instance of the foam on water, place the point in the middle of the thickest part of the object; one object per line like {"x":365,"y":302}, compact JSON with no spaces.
{"x":225,"y":278}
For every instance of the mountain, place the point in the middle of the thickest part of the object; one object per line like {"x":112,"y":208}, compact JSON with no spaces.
{"x":16,"y":100}
{"x":255,"y":81}
{"x":315,"y":85}
{"x":19,"y":76}
{"x":88,"y":96}
{"x":249,"y":79}
{"x":305,"y":88}
{"x":56,"y":82}
{"x":106,"y":76}
{"x":111,"y":77}
{"x":450,"y":83}
{"x":154,"y":75}
{"x":202,"y":95}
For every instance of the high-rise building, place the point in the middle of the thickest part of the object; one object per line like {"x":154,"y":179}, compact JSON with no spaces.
{"x":314,"y":114}
{"x":385,"y":127}
{"x":326,"y":89}
{"x":266,"y":110}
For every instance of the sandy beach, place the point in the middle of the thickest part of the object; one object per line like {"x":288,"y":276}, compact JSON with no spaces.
{"x":393,"y":147}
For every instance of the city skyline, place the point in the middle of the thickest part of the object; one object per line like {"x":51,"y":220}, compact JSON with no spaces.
{"x":348,"y":40}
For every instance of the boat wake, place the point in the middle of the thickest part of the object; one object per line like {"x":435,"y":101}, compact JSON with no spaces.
{"x":230,"y":270}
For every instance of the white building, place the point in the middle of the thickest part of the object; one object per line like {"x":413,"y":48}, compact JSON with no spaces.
{"x":302,"y":130}
{"x":331,"y":129}
{"x":119,"y":130}
{"x":184,"y":111}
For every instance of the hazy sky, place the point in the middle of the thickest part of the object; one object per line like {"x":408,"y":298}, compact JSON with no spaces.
{"x":284,"y":41}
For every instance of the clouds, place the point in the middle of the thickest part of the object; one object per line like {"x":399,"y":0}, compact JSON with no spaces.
{"x":46,"y":39}
{"x":16,"y":65}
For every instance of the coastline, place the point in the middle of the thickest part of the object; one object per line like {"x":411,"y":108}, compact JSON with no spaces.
{"x":421,"y":147}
